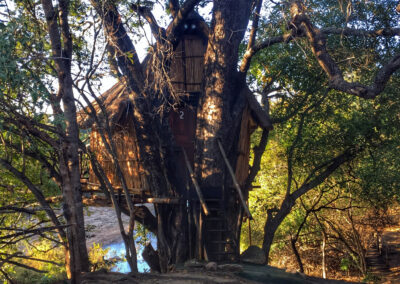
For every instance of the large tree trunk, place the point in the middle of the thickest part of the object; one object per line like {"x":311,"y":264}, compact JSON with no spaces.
{"x":221,"y":107}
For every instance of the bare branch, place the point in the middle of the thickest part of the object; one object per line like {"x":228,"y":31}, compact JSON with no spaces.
{"x":173,"y":6}
{"x":258,"y":152}
{"x":157,"y":31}
{"x":38,"y":194}
{"x":117,"y":36}
{"x":253,"y":32}
{"x":332,"y":165}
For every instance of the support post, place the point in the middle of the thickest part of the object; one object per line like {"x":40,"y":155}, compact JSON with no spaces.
{"x":196,"y":185}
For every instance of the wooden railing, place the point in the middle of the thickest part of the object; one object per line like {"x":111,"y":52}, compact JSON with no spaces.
{"x":235,"y":183}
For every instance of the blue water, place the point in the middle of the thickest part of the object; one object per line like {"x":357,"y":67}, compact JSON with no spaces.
{"x":118,"y":249}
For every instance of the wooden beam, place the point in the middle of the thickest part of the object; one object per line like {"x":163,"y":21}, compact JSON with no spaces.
{"x":196,"y":185}
{"x":102,"y":201}
{"x":91,"y":187}
{"x":165,"y":200}
{"x":235,"y":183}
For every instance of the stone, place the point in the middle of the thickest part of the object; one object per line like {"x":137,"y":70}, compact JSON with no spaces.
{"x":231,"y":267}
{"x":151,"y":257}
{"x":211,"y":266}
{"x":254,"y":255}
{"x":193,"y":263}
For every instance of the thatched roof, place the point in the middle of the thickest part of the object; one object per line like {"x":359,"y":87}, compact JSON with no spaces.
{"x":115,"y":102}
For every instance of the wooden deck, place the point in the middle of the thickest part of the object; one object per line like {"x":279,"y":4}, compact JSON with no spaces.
{"x":94,"y":195}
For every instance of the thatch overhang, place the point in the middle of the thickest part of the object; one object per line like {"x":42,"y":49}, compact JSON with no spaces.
{"x":113,"y":100}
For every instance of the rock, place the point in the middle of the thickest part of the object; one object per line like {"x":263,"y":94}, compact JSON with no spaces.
{"x":302,"y":275}
{"x":193,"y":263}
{"x":151,"y":257}
{"x":230,"y":267}
{"x":211,"y":266}
{"x":254,"y":255}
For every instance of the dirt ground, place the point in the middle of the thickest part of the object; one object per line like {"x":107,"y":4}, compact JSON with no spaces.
{"x":251,"y":274}
{"x":102,"y":227}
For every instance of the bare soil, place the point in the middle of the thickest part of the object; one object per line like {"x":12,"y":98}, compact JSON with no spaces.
{"x":251,"y":274}
{"x":102,"y":226}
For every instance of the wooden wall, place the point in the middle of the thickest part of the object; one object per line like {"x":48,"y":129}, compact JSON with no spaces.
{"x":187,"y":64}
{"x":128,"y":156}
{"x":248,"y":125}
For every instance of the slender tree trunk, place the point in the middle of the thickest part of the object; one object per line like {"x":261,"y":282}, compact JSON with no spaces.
{"x":61,"y":43}
{"x":296,"y":253}
{"x":323,"y":246}
{"x":271,"y":225}
{"x":71,"y":186}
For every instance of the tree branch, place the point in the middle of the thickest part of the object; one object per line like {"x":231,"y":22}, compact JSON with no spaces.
{"x":181,"y":15}
{"x":117,"y":36}
{"x":258,"y":152}
{"x":288,"y":37}
{"x":38,"y":194}
{"x":146,"y":13}
{"x":173,"y":6}
{"x":318,"y":46}
{"x":244,"y":66}
{"x":333,"y":164}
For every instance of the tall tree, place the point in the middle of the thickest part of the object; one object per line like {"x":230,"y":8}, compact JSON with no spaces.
{"x":225,"y":92}
{"x":23,"y":96}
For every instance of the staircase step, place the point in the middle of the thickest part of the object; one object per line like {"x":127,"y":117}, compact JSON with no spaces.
{"x":214,"y":219}
{"x":212,"y":200}
{"x":218,"y":230}
{"x":220,"y":253}
{"x":221,"y":242}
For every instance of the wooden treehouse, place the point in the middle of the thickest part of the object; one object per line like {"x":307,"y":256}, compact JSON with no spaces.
{"x":186,"y":76}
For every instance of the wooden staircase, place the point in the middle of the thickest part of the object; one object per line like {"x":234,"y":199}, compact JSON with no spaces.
{"x":216,"y":242}
{"x":219,"y":241}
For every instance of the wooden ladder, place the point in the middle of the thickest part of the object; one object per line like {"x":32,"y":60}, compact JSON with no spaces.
{"x":219,"y":240}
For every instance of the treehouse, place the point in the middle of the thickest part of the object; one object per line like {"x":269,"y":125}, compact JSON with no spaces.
{"x":186,"y":75}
